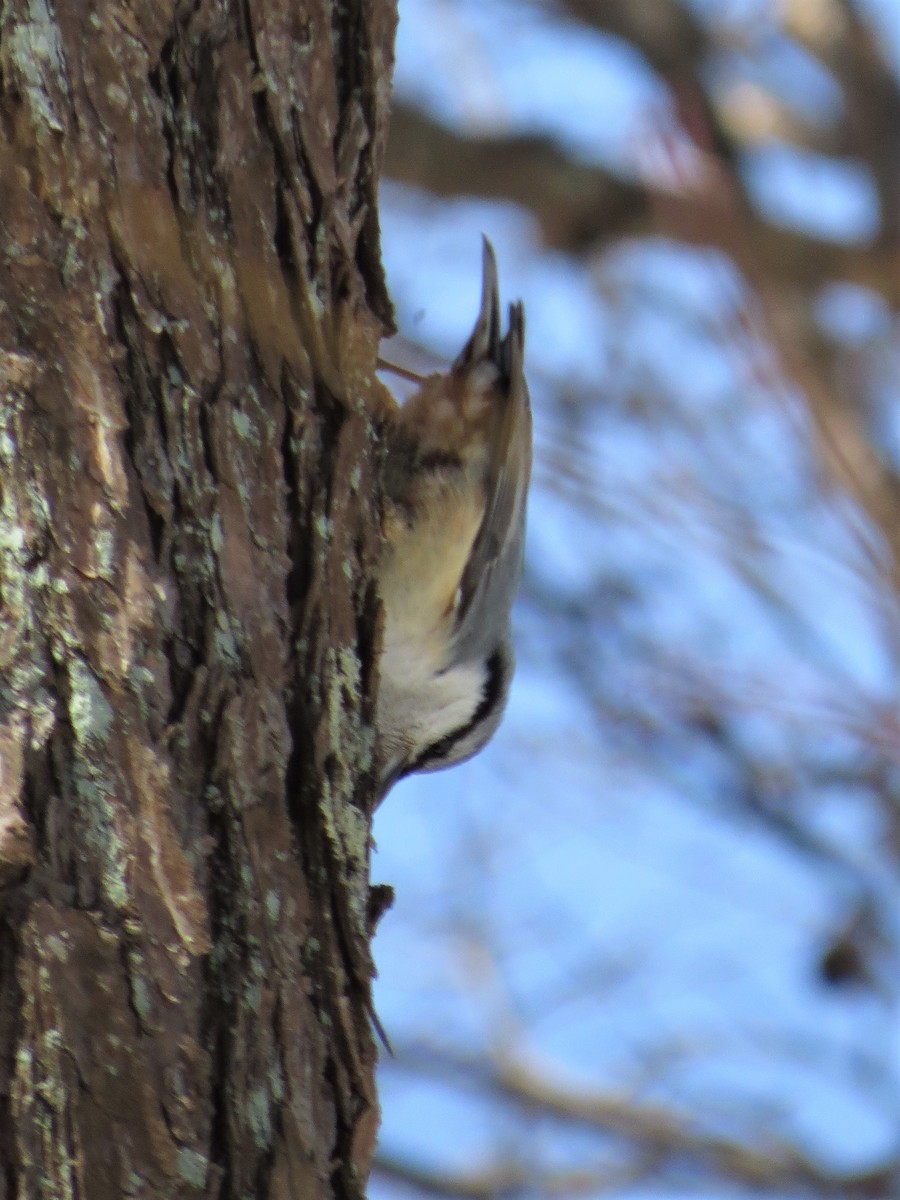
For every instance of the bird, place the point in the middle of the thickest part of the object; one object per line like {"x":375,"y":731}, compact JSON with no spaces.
{"x":458,"y":468}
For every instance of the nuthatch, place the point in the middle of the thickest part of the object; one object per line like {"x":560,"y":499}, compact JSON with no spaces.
{"x":459,"y":464}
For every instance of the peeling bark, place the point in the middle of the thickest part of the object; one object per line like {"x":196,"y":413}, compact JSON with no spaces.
{"x":191,"y":301}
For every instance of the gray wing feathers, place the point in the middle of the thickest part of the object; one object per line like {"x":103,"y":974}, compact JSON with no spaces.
{"x":491,"y":578}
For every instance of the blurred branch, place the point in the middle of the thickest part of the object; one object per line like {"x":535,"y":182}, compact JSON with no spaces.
{"x":479,"y":1185}
{"x":871,"y":93}
{"x":784,"y":318}
{"x":678,"y":46}
{"x":571,"y":201}
{"x":659,"y":1135}
{"x":508,"y":1181}
{"x":664,"y":31}
{"x":671,"y":1135}
{"x":578,"y":205}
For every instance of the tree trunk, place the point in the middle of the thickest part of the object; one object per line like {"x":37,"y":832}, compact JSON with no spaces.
{"x":190,"y":307}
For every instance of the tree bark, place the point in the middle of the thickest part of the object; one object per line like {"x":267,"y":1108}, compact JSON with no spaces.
{"x":191,"y":301}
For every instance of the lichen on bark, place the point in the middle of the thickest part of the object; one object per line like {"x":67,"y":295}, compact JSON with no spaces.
{"x":190,"y":307}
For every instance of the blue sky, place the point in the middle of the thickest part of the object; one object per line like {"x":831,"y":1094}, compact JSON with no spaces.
{"x":588,"y":891}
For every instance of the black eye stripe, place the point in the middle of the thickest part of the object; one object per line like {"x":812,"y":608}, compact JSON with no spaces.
{"x":493,"y":689}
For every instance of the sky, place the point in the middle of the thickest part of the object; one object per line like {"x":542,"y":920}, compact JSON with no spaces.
{"x":588,"y":893}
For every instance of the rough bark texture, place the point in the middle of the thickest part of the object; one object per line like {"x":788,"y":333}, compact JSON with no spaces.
{"x":190,"y":306}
